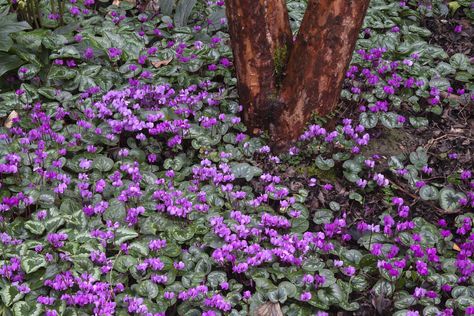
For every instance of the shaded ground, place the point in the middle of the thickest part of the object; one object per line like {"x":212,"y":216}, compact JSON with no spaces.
{"x":451,"y":42}
{"x":450,"y":133}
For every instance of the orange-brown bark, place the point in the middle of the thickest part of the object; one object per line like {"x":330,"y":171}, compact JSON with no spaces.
{"x":258,"y":28}
{"x":317,"y":64}
{"x":315,"y":70}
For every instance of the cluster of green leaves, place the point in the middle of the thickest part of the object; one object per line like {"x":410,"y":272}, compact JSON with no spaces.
{"x":191,"y":240}
{"x":36,"y":51}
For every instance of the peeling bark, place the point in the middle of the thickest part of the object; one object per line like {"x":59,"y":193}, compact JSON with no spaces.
{"x":258,"y":29}
{"x":281,"y":95}
{"x":317,"y":64}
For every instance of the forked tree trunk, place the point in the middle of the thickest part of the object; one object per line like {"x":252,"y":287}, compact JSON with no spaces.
{"x":260,"y":35}
{"x":281,"y":84}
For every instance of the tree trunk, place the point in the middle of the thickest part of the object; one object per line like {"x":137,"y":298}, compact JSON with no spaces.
{"x":260,"y":39}
{"x":318,"y":63}
{"x":280,"y":95}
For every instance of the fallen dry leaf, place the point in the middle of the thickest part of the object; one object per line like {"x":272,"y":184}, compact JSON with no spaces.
{"x":117,"y":2}
{"x":269,"y":309}
{"x":9,"y":121}
{"x":456,"y":247}
{"x":160,"y":63}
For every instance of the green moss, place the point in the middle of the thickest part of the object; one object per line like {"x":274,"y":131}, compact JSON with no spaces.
{"x":312,"y":171}
{"x":389,"y":143}
{"x":280,"y":59}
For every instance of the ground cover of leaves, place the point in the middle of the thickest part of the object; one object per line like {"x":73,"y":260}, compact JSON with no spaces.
{"x":129,"y":185}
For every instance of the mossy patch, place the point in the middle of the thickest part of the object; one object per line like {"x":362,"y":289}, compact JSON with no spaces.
{"x":280,"y":59}
{"x":391,"y":143}
{"x":313,"y":171}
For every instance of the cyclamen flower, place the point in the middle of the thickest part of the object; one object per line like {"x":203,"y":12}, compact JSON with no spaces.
{"x":389,"y":90}
{"x":157,"y":244}
{"x":361,"y":183}
{"x":114,"y":52}
{"x":350,"y":271}
{"x":293,"y":151}
{"x":224,"y":286}
{"x":57,"y":240}
{"x":308,"y":278}
{"x":380,"y":180}
{"x":74,"y":11}
{"x":88,"y":53}
{"x":305,"y":296}
{"x":61,"y":281}
{"x":328,"y":187}
{"x":45,"y":300}
{"x":85,"y":163}
{"x":470,"y":310}
{"x":466,"y":174}
{"x":422,"y":268}
{"x":419,"y":293}
{"x":179,"y":265}
{"x":41,"y":215}
{"x":218,"y":301}
{"x":132,"y":215}
{"x":247,"y":295}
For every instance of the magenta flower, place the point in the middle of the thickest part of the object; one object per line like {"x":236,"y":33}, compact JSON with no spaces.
{"x":305,"y":296}
{"x":114,"y":52}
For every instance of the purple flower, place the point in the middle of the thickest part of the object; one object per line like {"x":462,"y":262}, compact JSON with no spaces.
{"x":470,"y":310}
{"x":46,"y":300}
{"x":305,"y":296}
{"x":419,"y":293}
{"x":466,"y":174}
{"x":224,"y":286}
{"x":179,"y":265}
{"x":41,"y":215}
{"x":74,"y":11}
{"x":85,"y":163}
{"x":114,"y":52}
{"x":88,"y":53}
{"x":57,"y":239}
{"x":308,"y":278}
{"x":350,"y":270}
{"x":389,"y":90}
{"x":328,"y":187}
{"x":422,"y":268}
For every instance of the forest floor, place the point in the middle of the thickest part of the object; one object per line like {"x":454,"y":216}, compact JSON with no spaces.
{"x":130,"y":186}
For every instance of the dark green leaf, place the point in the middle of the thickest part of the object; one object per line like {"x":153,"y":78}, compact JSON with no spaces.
{"x":449,"y":199}
{"x":9,"y":62}
{"x":8,"y":26}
